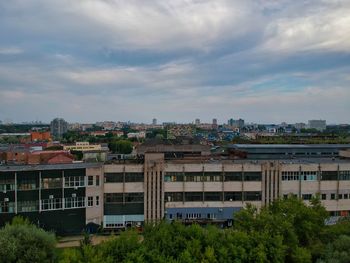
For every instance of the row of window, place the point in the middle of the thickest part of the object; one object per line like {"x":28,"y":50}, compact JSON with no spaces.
{"x":331,"y":196}
{"x":211,"y":176}
{"x":212,"y":196}
{"x":50,"y":204}
{"x":123,"y":177}
{"x":124,"y":198}
{"x":312,"y":175}
{"x":191,"y":216}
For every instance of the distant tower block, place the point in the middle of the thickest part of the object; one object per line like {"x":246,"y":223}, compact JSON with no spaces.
{"x":197,"y":121}
{"x":215,"y":124}
{"x":154,"y":121}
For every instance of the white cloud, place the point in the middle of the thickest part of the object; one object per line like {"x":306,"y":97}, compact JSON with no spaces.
{"x":10,"y":50}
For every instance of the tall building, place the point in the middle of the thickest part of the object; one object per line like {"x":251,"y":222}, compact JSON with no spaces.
{"x":319,"y":125}
{"x":215,"y":124}
{"x":236,"y":123}
{"x":197,"y":121}
{"x":58,"y":127}
{"x":154,"y":121}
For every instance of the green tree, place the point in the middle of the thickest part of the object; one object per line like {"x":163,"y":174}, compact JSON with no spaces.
{"x":120,"y":146}
{"x":24,"y":242}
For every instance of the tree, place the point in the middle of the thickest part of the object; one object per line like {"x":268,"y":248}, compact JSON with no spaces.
{"x":121,"y":146}
{"x":24,"y":242}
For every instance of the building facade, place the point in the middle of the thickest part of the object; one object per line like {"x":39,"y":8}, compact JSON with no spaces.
{"x":58,"y":127}
{"x":118,"y":195}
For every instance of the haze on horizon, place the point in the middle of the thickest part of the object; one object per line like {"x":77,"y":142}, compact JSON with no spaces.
{"x":261,"y":60}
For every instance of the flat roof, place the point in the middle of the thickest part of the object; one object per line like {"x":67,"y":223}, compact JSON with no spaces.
{"x":12,"y":168}
{"x":289,"y":146}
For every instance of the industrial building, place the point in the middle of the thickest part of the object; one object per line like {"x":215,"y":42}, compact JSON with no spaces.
{"x":190,"y":186}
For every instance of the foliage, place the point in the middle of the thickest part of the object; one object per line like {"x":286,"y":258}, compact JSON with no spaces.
{"x":24,"y":242}
{"x":120,"y":146}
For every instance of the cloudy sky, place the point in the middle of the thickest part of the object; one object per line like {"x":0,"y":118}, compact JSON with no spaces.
{"x":266,"y":61}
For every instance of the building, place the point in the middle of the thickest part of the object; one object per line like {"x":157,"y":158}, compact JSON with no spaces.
{"x":215,"y":124}
{"x":236,"y":123}
{"x":40,"y":136}
{"x":190,"y":186}
{"x":58,"y":127}
{"x":82,"y":146}
{"x":197,"y":121}
{"x":300,"y":126}
{"x":64,"y":198}
{"x":154,"y":121}
{"x":319,"y":125}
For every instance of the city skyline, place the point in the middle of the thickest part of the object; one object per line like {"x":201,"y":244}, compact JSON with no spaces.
{"x":262,"y":61}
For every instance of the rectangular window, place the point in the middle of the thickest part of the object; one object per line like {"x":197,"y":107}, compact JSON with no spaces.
{"x":307,"y":196}
{"x":27,"y":206}
{"x":97,"y":180}
{"x":252,"y":176}
{"x":324,"y":196}
{"x":27,"y":184}
{"x":90,"y":180}
{"x":97,"y":200}
{"x":344,"y":175}
{"x":7,"y":185}
{"x":233,"y":176}
{"x":133,"y":197}
{"x":114,"y":198}
{"x":90,"y":201}
{"x":213,"y":196}
{"x":133,"y":177}
{"x":332,"y":196}
{"x":252,"y":196}
{"x":329,"y":175}
{"x":173,"y":177}
{"x":114,"y":177}
{"x":48,"y":183}
{"x":51,"y":204}
{"x":74,"y":202}
{"x":194,"y":176}
{"x":193,"y":196}
{"x":346,"y":196}
{"x":173,"y":197}
{"x":74,"y":181}
{"x":233,"y":196}
{"x":7,"y":207}
{"x":212,"y":176}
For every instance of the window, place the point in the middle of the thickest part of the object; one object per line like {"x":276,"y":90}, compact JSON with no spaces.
{"x":213,"y":177}
{"x":90,"y":201}
{"x":252,"y":176}
{"x":252,"y":196}
{"x":133,"y":177}
{"x":47,"y":183}
{"x":340,"y":196}
{"x":114,"y":177}
{"x":114,"y":198}
{"x":346,"y":196}
{"x":27,"y":206}
{"x":213,"y":196}
{"x":97,"y":200}
{"x":7,"y":207}
{"x":74,"y":181}
{"x":233,"y":196}
{"x":307,"y":196}
{"x":324,"y":196}
{"x":193,"y":176}
{"x":332,"y":196}
{"x":329,"y":175}
{"x":7,"y":185}
{"x":51,"y":204}
{"x":133,"y":197}
{"x":90,"y":180}
{"x":290,"y":176}
{"x":27,"y":184}
{"x":173,"y":177}
{"x":74,"y":202}
{"x":233,"y":176}
{"x":193,"y":196}
{"x":97,"y":180}
{"x":173,"y":197}
{"x":344,"y":175}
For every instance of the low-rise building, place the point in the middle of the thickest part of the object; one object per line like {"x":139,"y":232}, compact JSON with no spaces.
{"x":82,"y":146}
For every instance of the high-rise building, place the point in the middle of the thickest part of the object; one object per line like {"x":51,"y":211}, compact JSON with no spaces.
{"x":154,"y":121}
{"x":319,"y":125}
{"x":236,"y":123}
{"x":197,"y":121}
{"x":58,"y":127}
{"x":215,"y":124}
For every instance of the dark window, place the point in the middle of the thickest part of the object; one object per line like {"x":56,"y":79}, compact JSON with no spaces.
{"x":252,"y":196}
{"x":213,"y":196}
{"x":194,"y":176}
{"x":114,"y":177}
{"x":173,"y":177}
{"x":114,"y":198}
{"x":332,"y":196}
{"x":97,"y":180}
{"x":133,"y":197}
{"x":329,"y":175}
{"x":233,"y":176}
{"x":193,"y":196}
{"x":324,"y":196}
{"x":133,"y":177}
{"x":252,"y":176}
{"x":307,"y":196}
{"x":90,"y":180}
{"x":213,"y":176}
{"x":233,"y":196}
{"x":173,"y":197}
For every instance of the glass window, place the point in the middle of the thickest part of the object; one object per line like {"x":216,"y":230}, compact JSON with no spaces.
{"x":27,"y":206}
{"x":173,"y":177}
{"x":27,"y":184}
{"x":48,"y":183}
{"x":7,"y":185}
{"x":194,"y":176}
{"x":114,"y":198}
{"x":324,"y":196}
{"x":233,"y":176}
{"x":252,"y":196}
{"x":133,"y":177}
{"x":233,"y":196}
{"x":74,"y":181}
{"x":97,"y":180}
{"x":173,"y":197}
{"x":213,"y":176}
{"x":252,"y":176}
{"x":212,"y":196}
{"x":90,"y":180}
{"x":329,"y":175}
{"x":114,"y":177}
{"x":97,"y":200}
{"x":90,"y":200}
{"x":307,"y":196}
{"x":193,"y":196}
{"x":7,"y":207}
{"x":332,"y":196}
{"x":133,"y":197}
{"x":74,"y":202}
{"x":51,"y":204}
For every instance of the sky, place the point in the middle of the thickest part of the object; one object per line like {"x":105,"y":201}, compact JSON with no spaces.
{"x":266,"y":61}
